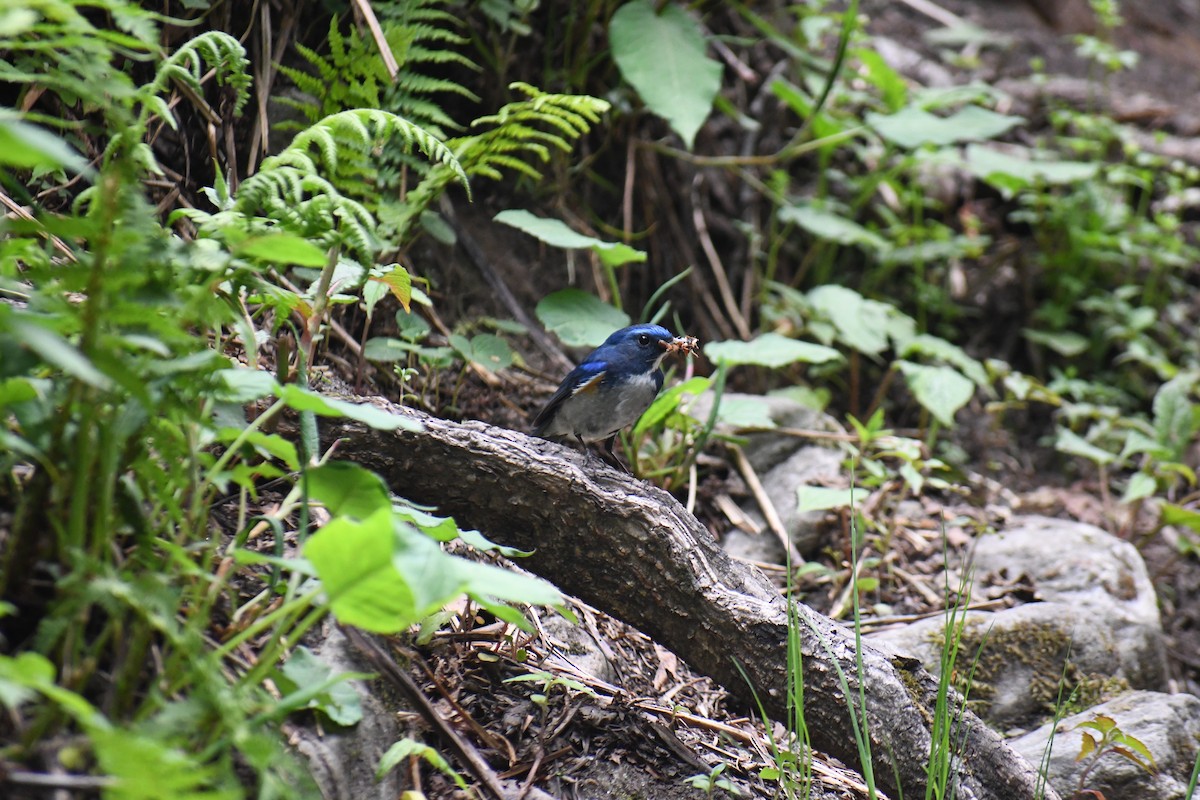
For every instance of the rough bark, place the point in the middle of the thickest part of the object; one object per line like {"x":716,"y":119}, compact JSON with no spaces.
{"x":634,"y":552}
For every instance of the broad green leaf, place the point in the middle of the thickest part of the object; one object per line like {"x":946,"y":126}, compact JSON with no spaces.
{"x":374,"y":291}
{"x":26,"y":146}
{"x":663,"y":58}
{"x":769,"y":350}
{"x":282,"y":248}
{"x":1173,"y":514}
{"x":891,"y":84}
{"x":347,"y":489}
{"x":1065,"y":343}
{"x":940,"y":390}
{"x":823,"y":498}
{"x":244,"y":385}
{"x":937,"y":348}
{"x":484,"y":581}
{"x":1009,"y":172}
{"x":308,"y":682}
{"x":307,"y":400}
{"x":1175,"y":415}
{"x":16,"y":390}
{"x":830,"y":226}
{"x":1138,"y":443}
{"x":58,"y":351}
{"x":668,"y":403}
{"x":20,"y":675}
{"x":399,"y":282}
{"x":381,"y":575}
{"x":578,"y":318}
{"x":444,"y":529}
{"x":745,"y":412}
{"x":270,"y":445}
{"x":412,"y":327}
{"x":398,"y":752}
{"x":912,"y":127}
{"x":556,"y":234}
{"x":485,"y":349}
{"x":386,"y":348}
{"x":1073,"y":444}
{"x":937,"y":250}
{"x":861,"y":324}
{"x":1140,"y":487}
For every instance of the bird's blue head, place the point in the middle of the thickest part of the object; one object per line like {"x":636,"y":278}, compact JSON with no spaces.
{"x":635,"y":350}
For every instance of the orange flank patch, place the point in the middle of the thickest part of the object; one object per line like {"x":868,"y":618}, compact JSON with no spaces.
{"x":590,"y":386}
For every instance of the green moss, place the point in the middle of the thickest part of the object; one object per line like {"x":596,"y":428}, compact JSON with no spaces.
{"x":1040,"y":648}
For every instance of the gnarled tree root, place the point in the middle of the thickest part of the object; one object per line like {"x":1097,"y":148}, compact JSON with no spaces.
{"x":634,"y":552}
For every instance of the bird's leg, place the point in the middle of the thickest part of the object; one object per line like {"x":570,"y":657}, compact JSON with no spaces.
{"x":587,"y":451}
{"x":612,"y":457}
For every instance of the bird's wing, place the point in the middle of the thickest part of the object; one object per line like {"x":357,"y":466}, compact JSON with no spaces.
{"x":584,"y":378}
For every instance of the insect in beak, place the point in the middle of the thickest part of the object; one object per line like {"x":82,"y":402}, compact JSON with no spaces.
{"x":684,"y":345}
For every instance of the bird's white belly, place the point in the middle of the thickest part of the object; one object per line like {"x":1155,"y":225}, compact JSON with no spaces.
{"x":598,"y":414}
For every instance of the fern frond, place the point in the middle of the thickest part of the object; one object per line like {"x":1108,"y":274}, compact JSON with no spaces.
{"x":532,"y":126}
{"x":423,"y":84}
{"x":420,"y":55}
{"x":214,"y":50}
{"x":305,"y":186}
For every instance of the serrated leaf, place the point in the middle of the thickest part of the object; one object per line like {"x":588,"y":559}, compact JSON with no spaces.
{"x":770,"y":350}
{"x":579,"y":319}
{"x":399,"y":282}
{"x":380,"y":575}
{"x":662,"y":55}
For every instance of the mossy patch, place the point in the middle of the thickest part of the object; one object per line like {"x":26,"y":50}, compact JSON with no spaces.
{"x":988,"y":655}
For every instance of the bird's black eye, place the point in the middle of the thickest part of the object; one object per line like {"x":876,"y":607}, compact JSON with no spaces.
{"x":644,"y":339}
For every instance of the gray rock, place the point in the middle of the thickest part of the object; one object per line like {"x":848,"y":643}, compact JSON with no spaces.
{"x":1169,"y":726}
{"x":1096,"y":607}
{"x":1088,"y":569}
{"x":783,"y":463}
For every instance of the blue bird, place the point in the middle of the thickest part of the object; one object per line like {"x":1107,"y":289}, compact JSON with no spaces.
{"x":611,"y":388}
